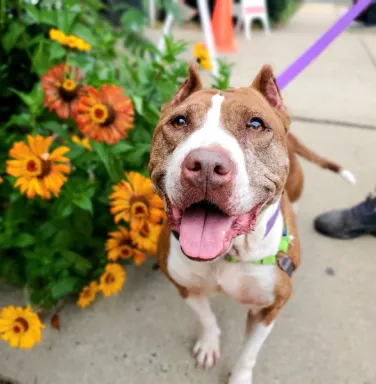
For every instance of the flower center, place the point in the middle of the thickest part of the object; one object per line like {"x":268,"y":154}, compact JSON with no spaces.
{"x":33,"y":166}
{"x":46,"y":168}
{"x":126,"y":251}
{"x":68,"y":90}
{"x":198,"y":60}
{"x":102,"y":114}
{"x":139,"y":210}
{"x":20,"y":325}
{"x":110,"y":278}
{"x":69,"y":85}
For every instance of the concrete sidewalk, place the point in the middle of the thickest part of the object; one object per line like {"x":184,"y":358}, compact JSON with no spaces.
{"x":339,"y":85}
{"x":326,"y":333}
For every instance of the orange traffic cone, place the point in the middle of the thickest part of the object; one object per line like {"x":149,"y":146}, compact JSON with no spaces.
{"x":223,"y":28}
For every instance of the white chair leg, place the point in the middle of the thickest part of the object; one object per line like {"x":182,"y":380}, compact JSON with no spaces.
{"x":248,"y":27}
{"x":265,"y":22}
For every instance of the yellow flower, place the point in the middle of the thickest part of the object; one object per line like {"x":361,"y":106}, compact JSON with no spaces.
{"x":112,"y":279}
{"x":136,"y":200}
{"x":38,"y":172}
{"x":76,"y":42}
{"x":88,"y":295}
{"x":202,"y":56}
{"x":57,"y":35}
{"x":119,"y":246}
{"x":20,"y":327}
{"x":70,"y":41}
{"x":145,"y":235}
{"x":84,"y":142}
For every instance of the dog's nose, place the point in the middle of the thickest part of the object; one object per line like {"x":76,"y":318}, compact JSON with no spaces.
{"x":208,"y":168}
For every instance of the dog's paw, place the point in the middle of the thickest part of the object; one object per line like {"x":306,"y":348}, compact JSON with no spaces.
{"x":206,"y":351}
{"x":243,"y":376}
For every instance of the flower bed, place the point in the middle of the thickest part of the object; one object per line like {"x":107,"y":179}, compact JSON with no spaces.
{"x":76,"y":206}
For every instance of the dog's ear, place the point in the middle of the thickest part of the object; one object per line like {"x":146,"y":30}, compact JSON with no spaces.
{"x":266,"y":84}
{"x":190,"y":85}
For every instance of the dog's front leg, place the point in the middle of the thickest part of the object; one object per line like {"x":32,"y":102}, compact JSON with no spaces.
{"x":256,"y":334}
{"x":206,"y":349}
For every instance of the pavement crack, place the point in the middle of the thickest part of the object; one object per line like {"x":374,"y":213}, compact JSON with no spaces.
{"x":339,"y":123}
{"x":368,"y":52}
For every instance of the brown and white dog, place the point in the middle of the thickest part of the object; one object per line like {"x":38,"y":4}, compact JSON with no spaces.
{"x":220,"y":160}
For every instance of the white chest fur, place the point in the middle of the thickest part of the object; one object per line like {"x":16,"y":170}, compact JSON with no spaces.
{"x":250,"y":284}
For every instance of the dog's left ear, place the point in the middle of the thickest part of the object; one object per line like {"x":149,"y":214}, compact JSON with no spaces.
{"x":266,"y":84}
{"x":191,"y":84}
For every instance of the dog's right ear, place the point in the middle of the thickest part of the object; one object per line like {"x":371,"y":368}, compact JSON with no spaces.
{"x":191,"y":84}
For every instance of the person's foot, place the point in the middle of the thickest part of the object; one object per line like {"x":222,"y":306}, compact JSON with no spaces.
{"x":349,"y":223}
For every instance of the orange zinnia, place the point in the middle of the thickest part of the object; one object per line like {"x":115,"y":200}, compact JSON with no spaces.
{"x":62,"y":89}
{"x":119,"y":246}
{"x":135,"y":199}
{"x":145,"y":235}
{"x":38,"y":172}
{"x":105,"y":114}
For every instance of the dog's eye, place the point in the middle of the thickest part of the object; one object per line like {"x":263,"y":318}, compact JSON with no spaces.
{"x":256,"y":124}
{"x":179,"y":122}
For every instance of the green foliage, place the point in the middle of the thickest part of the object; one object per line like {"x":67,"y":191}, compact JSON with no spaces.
{"x":280,"y":10}
{"x":55,"y":247}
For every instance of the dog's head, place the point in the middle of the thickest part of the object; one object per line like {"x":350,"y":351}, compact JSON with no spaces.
{"x":218,"y":158}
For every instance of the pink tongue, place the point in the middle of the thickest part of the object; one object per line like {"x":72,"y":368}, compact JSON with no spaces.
{"x":202,"y":232}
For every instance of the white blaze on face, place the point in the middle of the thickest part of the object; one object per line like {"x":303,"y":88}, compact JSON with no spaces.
{"x":211,"y":133}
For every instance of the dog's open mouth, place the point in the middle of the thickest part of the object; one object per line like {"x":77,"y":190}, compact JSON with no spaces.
{"x":206,"y":231}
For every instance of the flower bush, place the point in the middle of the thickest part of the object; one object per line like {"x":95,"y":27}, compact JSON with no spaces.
{"x":79,"y":100}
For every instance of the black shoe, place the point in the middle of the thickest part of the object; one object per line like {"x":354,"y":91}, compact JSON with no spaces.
{"x":349,"y":223}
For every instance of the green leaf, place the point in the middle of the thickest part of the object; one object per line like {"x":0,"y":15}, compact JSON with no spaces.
{"x":66,"y":210}
{"x":32,"y":11}
{"x":47,"y":16}
{"x":64,"y":287}
{"x":63,"y":239}
{"x":66,"y":18}
{"x":27,"y":99}
{"x":79,"y":263}
{"x":138,"y":103}
{"x":112,"y":165}
{"x":136,"y":159}
{"x":41,"y":65}
{"x":56,"y":51}
{"x":23,"y":240}
{"x":55,"y":127}
{"x":121,"y":148}
{"x":133,"y":20}
{"x":46,"y":230}
{"x":10,"y":39}
{"x":84,"y":203}
{"x":85,"y":33}
{"x":21,"y":120}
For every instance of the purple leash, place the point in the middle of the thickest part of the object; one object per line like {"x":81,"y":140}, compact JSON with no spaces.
{"x":272,"y":220}
{"x":316,"y":49}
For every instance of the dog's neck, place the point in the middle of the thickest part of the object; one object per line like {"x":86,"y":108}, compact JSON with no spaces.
{"x":255,"y":245}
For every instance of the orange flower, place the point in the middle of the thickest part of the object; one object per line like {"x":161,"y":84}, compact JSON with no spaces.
{"x":119,"y":246}
{"x":105,"y":114}
{"x":112,"y":279}
{"x":38,"y":172}
{"x":145,"y":235}
{"x":88,"y":295}
{"x":62,"y":89}
{"x":136,"y":200}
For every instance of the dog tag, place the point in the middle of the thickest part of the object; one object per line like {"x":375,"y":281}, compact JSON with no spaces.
{"x":285,"y":264}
